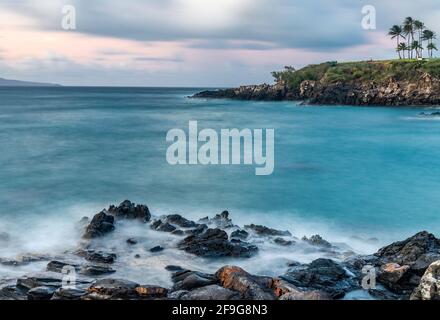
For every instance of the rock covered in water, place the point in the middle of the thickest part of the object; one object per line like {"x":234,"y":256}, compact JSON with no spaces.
{"x":283,"y":242}
{"x":159,"y":225}
{"x":113,"y":289}
{"x":317,"y":240}
{"x":58,"y":266}
{"x":69,"y":294}
{"x":214,"y":243}
{"x":265,"y":231}
{"x":189,"y":280}
{"x":240,"y":234}
{"x":429,"y":287}
{"x":157,"y":249}
{"x":101,"y":224}
{"x":97,"y":256}
{"x":180,"y":221}
{"x":129,"y":210}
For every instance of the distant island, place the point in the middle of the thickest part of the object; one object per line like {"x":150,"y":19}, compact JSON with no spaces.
{"x":403,"y":82}
{"x":18,"y":83}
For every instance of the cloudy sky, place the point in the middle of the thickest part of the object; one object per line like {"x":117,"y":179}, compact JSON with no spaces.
{"x":191,"y":42}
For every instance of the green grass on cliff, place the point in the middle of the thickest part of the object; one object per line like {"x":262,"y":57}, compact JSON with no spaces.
{"x":362,"y":71}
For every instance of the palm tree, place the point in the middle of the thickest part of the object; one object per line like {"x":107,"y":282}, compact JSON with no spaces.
{"x":419,"y":27}
{"x":396,"y":31}
{"x":431,"y":47}
{"x":402,"y":47}
{"x":429,"y":36}
{"x":408,"y":28}
{"x":417,"y":47}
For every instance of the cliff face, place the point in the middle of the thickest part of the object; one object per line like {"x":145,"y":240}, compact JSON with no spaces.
{"x":388,"y":83}
{"x":425,"y":91}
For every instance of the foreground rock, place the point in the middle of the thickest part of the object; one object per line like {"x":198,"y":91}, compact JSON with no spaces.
{"x":112,"y":289}
{"x":429,"y":287}
{"x":214,"y":243}
{"x":322,"y":275}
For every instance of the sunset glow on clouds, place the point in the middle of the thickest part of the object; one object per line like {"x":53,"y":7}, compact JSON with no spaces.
{"x":189,"y":42}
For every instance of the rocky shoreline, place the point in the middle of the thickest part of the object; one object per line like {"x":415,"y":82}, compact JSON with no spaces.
{"x":423,"y":92}
{"x":408,"y":269}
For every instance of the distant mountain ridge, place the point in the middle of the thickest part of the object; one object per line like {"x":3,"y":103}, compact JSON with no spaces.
{"x":18,"y":83}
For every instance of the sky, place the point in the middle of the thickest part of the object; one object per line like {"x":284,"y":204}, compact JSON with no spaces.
{"x":192,"y":43}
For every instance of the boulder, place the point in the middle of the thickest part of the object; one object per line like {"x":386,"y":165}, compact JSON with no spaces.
{"x":151,"y":292}
{"x":417,"y":252}
{"x":283,"y":242}
{"x":41,"y":293}
{"x":394,"y":276}
{"x":57,"y":266}
{"x":318,"y":241}
{"x":92,"y":270}
{"x":13,"y":293}
{"x":265,"y":231}
{"x":250,"y":287}
{"x":323,"y":275}
{"x":101,"y":224}
{"x":157,"y":249}
{"x":68,"y":294}
{"x":240,"y":234}
{"x":113,"y":289}
{"x":211,"y":292}
{"x":132,"y":241}
{"x":429,"y":287}
{"x":214,"y":243}
{"x":189,"y":280}
{"x":97,"y":256}
{"x":180,"y":221}
{"x":129,"y":210}
{"x":161,"y":226}
{"x":48,"y":279}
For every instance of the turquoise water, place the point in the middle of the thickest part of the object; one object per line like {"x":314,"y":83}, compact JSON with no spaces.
{"x":340,"y":171}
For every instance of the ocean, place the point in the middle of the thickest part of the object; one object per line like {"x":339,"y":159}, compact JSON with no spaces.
{"x":363,"y":176}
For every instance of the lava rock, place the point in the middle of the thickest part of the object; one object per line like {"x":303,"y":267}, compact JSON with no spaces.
{"x":265,"y":231}
{"x":41,"y":293}
{"x":113,"y":289}
{"x":322,"y":274}
{"x":283,"y":242}
{"x":151,"y":292}
{"x":180,"y":221}
{"x":132,"y":241}
{"x":159,"y":225}
{"x":250,"y":287}
{"x":240,"y":234}
{"x":101,"y":224}
{"x":215,"y":243}
{"x":129,"y":210}
{"x":157,"y":249}
{"x":318,"y":241}
{"x":92,"y":270}
{"x":58,"y":266}
{"x":211,"y":292}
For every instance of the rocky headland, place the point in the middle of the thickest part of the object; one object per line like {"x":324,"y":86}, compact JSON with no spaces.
{"x":366,"y":83}
{"x":409,"y":269}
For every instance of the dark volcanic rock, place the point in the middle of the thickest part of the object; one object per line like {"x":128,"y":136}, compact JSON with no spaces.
{"x":57,"y":266}
{"x":283,"y":242}
{"x":322,"y":274}
{"x":317,"y":240}
{"x":129,"y":210}
{"x":418,"y":252}
{"x":189,"y":280}
{"x":172,"y":268}
{"x":222,"y":220}
{"x":13,"y":293}
{"x":132,"y":241}
{"x":180,"y":221}
{"x":265,"y":231}
{"x":157,"y":249}
{"x":101,"y":257}
{"x":113,"y":289}
{"x":211,"y":292}
{"x":250,"y":287}
{"x":101,"y":224}
{"x":240,"y":234}
{"x":262,"y":92}
{"x":215,"y":243}
{"x":41,"y":293}
{"x":96,"y":270}
{"x":68,"y":294}
{"x":40,"y":280}
{"x":159,"y":225}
